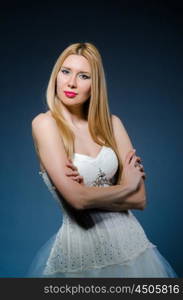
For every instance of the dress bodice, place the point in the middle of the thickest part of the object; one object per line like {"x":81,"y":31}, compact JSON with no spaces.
{"x":96,"y":171}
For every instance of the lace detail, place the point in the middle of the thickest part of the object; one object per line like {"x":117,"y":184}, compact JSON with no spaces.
{"x":93,"y":238}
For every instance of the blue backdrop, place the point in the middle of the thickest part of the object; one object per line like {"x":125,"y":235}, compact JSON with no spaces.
{"x":141,"y":47}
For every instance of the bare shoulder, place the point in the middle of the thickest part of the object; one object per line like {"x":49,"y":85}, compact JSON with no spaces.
{"x":114,"y":117}
{"x":117,"y":123}
{"x":121,"y":136}
{"x":45,"y":124}
{"x":44,"y":128}
{"x":42,"y":118}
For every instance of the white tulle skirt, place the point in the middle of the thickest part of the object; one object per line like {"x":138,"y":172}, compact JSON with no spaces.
{"x":150,"y":264}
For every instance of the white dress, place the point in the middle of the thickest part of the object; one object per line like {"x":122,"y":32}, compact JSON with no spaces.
{"x":97,"y":243}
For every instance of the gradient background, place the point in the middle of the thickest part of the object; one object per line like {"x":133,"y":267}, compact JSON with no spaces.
{"x":141,"y":45}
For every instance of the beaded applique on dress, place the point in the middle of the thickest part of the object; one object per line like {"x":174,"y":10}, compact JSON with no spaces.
{"x":102,"y":179}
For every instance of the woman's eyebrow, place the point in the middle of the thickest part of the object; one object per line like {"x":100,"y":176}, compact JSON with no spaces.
{"x":78,"y":72}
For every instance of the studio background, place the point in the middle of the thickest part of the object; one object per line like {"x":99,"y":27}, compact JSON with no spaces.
{"x":141,"y":46}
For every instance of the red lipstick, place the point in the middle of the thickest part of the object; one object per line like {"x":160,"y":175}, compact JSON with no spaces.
{"x":70,"y":94}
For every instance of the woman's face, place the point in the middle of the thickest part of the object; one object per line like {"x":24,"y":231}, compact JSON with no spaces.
{"x":74,"y":80}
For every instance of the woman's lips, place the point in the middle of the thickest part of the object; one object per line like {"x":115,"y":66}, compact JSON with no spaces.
{"x":70,"y":94}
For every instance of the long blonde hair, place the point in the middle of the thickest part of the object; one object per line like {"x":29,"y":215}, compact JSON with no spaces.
{"x":98,"y":115}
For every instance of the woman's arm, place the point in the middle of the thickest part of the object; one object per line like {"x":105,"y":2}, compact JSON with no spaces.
{"x":124,"y":145}
{"x":53,"y":157}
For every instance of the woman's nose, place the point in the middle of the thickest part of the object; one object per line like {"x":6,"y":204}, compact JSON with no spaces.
{"x":72,"y":82}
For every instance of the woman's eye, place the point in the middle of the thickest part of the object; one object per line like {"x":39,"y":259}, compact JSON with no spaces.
{"x":65,"y":71}
{"x":85,"y":76}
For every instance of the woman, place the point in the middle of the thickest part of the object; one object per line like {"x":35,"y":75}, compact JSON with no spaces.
{"x":99,"y":236}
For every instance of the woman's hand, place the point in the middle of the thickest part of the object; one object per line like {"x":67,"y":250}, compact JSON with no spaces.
{"x":73,"y":173}
{"x":133,"y":171}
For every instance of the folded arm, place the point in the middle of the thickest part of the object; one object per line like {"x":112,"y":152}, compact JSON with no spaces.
{"x":124,"y":145}
{"x":53,"y":158}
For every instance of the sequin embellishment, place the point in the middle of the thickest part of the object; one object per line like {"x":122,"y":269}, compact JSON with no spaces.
{"x":102,"y":179}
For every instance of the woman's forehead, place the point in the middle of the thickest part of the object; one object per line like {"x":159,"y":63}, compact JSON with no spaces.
{"x":77,"y":62}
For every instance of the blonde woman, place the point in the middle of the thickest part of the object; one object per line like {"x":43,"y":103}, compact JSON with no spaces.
{"x":89,"y":165}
